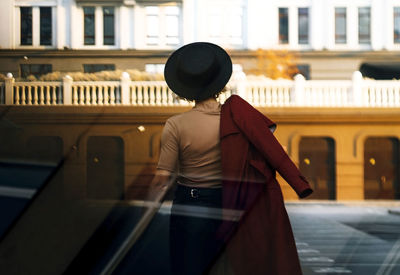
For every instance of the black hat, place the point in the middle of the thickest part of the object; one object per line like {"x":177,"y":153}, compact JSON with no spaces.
{"x":198,"y":70}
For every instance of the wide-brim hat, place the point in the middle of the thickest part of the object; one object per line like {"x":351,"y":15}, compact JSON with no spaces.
{"x":198,"y":70}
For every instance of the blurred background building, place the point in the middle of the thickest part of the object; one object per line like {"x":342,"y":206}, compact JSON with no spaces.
{"x":330,"y":38}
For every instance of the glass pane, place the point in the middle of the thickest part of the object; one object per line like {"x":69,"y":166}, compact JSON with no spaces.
{"x":152,"y":10}
{"x":108,"y":25}
{"x":93,"y":68}
{"x":303,"y":25}
{"x":35,"y":69}
{"x":364,"y":25}
{"x":215,"y":25}
{"x":89,"y":25}
{"x":340,"y":26}
{"x":283,"y":26}
{"x":396,"y":25}
{"x":236,"y":25}
{"x":26,"y":26}
{"x":45,"y":26}
{"x":152,"y":29}
{"x":172,"y":25}
{"x":172,"y":10}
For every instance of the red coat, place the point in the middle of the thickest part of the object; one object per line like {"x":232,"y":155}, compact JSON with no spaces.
{"x":263,"y":242}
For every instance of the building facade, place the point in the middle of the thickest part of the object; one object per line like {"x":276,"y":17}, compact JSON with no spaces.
{"x":330,"y":38}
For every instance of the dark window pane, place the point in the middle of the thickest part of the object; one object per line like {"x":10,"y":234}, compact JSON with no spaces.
{"x":108,"y":25}
{"x":283,"y":26}
{"x":364,"y":25}
{"x":93,"y":68}
{"x":26,"y":26}
{"x":303,"y":25}
{"x":396,"y":27}
{"x":35,"y":69}
{"x":45,"y":26}
{"x":340,"y":26}
{"x":88,"y":25}
{"x":304,"y":70}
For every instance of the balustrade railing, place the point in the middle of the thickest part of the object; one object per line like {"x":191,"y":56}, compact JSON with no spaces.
{"x":37,"y":93}
{"x":259,"y":92}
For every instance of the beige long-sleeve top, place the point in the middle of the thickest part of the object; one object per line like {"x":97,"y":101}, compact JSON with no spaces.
{"x":190,"y":146}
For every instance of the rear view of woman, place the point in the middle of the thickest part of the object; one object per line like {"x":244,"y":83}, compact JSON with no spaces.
{"x":198,"y":150}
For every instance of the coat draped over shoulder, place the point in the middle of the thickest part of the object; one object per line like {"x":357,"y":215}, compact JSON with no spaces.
{"x":262,"y":241}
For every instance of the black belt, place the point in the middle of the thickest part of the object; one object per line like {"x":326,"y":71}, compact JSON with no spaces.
{"x":196,"y":192}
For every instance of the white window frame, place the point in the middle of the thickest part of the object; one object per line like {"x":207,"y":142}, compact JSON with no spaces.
{"x":35,"y":24}
{"x":98,"y":29}
{"x":161,"y":15}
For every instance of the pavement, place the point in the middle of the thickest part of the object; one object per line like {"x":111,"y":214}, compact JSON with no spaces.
{"x":359,"y":238}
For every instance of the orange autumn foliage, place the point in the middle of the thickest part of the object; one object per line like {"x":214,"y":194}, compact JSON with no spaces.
{"x":276,"y":64}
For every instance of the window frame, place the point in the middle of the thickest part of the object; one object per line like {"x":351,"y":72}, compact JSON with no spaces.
{"x":364,"y":39}
{"x":50,"y":34}
{"x":396,"y":41}
{"x":281,"y":31}
{"x":306,"y":41}
{"x":85,"y":25}
{"x":160,"y":38}
{"x":23,"y":34}
{"x":343,"y":36}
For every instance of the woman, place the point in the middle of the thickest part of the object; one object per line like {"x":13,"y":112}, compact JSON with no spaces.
{"x":190,"y":150}
{"x":220,"y":159}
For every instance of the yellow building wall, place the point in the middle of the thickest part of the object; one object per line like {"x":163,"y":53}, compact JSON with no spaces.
{"x":348,"y":127}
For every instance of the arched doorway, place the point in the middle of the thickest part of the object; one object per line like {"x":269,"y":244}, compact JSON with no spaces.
{"x":317,"y":164}
{"x":381,"y":168}
{"x":105,"y":167}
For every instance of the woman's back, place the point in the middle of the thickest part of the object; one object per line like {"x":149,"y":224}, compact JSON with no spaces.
{"x":191,"y":146}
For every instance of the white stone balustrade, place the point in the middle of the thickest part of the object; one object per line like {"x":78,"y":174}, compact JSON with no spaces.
{"x":299,"y":92}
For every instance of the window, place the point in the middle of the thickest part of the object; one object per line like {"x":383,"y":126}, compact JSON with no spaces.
{"x":35,"y":69}
{"x":172,"y":25}
{"x":155,"y":68}
{"x":26,"y":25}
{"x":153,"y":25}
{"x":89,"y":38}
{"x":364,"y":25}
{"x":304,"y":70}
{"x":108,"y":26}
{"x":340,"y":26}
{"x":45,"y":26}
{"x":93,"y":68}
{"x":162,"y":25}
{"x":283,"y":26}
{"x":225,"y":25}
{"x":303,"y":25}
{"x":396,"y":25}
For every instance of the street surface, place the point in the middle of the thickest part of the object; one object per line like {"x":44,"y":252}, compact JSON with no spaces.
{"x":347,"y":238}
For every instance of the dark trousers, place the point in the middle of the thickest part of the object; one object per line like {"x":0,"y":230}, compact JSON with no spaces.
{"x":195,"y":218}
